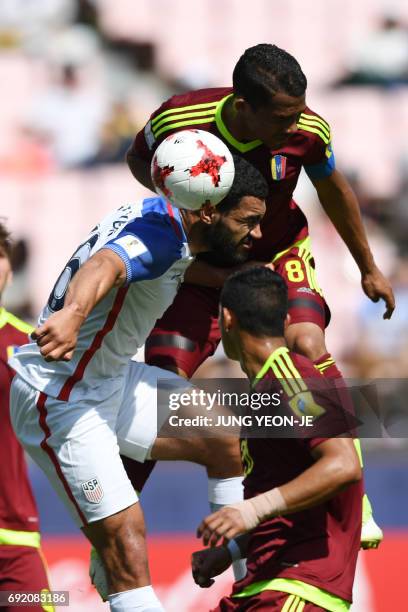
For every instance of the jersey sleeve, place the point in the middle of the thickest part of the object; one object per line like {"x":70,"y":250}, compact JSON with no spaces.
{"x":147,"y":250}
{"x":315,"y":404}
{"x":319,"y":161}
{"x":146,"y":142}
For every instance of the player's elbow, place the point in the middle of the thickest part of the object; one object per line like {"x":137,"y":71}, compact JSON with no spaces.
{"x":348,"y":469}
{"x":140,"y":168}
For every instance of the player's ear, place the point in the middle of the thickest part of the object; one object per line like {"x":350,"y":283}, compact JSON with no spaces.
{"x":207,"y":212}
{"x":240,"y":105}
{"x":225,"y":318}
{"x":287,"y":321}
{"x":229,"y":319}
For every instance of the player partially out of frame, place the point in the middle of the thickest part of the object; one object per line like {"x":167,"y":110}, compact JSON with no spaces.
{"x":302,"y":508}
{"x":265,"y":119}
{"x":76,"y":394}
{"x":22,"y":566}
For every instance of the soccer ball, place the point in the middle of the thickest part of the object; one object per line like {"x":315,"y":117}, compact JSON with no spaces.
{"x":192,"y":167}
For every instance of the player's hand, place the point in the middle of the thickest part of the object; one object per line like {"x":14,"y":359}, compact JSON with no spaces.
{"x":226,"y":523}
{"x":205,"y":564}
{"x":377,"y":287}
{"x":57,"y":337}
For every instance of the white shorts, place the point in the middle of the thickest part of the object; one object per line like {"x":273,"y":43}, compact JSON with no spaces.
{"x":75,"y":444}
{"x":78,"y":444}
{"x":136,"y":427}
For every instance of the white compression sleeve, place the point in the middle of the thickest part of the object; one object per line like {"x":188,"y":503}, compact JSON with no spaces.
{"x":223,"y":491}
{"x":143,"y":599}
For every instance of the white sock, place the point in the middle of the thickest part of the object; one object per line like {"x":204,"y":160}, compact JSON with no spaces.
{"x":222,"y":492}
{"x":225,"y":491}
{"x":143,"y":599}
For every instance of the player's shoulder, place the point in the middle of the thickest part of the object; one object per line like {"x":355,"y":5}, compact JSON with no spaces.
{"x":194,"y":99}
{"x":153,"y":219}
{"x":286,"y":364}
{"x":153,"y":240}
{"x":160,"y":215}
{"x":314,"y":126}
{"x":194,"y":109}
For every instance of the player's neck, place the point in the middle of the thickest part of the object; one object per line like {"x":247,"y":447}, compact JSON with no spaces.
{"x":234,"y":123}
{"x":255,"y":352}
{"x":192,"y":230}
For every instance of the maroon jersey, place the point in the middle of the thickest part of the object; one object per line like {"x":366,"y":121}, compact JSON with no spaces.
{"x":318,"y":546}
{"x":18,"y":511}
{"x":310,"y":147}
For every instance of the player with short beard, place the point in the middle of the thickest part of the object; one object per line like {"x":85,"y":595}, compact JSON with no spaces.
{"x":22,"y":565}
{"x":77,"y":397}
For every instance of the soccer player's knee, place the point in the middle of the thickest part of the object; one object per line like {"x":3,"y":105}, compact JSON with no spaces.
{"x":309,"y":345}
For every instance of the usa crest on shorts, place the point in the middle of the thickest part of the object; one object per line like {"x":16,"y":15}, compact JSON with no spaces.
{"x":92,"y":490}
{"x":278,"y":167}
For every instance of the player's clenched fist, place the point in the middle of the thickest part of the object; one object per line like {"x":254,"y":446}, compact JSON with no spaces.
{"x":225,"y":523}
{"x":57,"y":337}
{"x":205,"y":564}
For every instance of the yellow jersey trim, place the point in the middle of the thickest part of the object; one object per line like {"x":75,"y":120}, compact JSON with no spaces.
{"x":180,"y":109}
{"x":318,"y":131}
{"x":183,"y":116}
{"x":172,"y":126}
{"x":312,"y":120}
{"x":315,"y":118}
{"x":301,"y":400}
{"x":11,"y":537}
{"x":243,"y":147}
{"x":301,"y":589}
{"x":7,"y":317}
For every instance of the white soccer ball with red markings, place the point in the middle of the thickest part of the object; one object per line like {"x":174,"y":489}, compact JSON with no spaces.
{"x":192,"y":167}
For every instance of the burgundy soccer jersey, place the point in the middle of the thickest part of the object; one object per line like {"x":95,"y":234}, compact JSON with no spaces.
{"x":18,"y":511}
{"x":318,"y":546}
{"x":309,"y":146}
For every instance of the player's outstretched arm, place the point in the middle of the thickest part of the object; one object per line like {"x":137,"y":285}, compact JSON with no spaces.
{"x":57,"y":337}
{"x":341,"y":206}
{"x":336,"y":466}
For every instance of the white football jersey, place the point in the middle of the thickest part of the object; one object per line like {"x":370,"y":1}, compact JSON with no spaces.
{"x":150,"y":239}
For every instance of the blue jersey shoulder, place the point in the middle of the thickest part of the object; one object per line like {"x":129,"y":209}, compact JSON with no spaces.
{"x":151,"y":243}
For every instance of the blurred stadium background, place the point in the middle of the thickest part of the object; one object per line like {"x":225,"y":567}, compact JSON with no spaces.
{"x":79,"y":78}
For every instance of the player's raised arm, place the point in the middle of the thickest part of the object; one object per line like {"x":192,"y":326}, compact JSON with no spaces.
{"x":336,"y":466}
{"x":57,"y":337}
{"x":342,"y":208}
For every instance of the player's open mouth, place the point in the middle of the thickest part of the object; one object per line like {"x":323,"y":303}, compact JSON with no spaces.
{"x":247,"y":244}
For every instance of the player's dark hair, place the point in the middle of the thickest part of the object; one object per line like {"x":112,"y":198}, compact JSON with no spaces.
{"x":259,"y":299}
{"x":5,"y":239}
{"x":248,"y":181}
{"x":264,"y":70}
